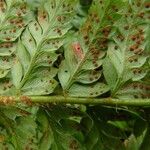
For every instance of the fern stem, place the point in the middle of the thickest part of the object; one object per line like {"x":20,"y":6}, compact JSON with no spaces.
{"x":71,"y":100}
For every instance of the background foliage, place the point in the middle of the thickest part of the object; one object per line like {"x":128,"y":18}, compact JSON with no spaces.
{"x":98,"y":48}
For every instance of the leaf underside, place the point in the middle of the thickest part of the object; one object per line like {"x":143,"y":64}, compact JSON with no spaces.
{"x":108,"y":53}
{"x":78,"y":48}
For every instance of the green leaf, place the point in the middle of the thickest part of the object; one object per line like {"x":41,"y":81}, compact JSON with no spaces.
{"x":7,"y":48}
{"x":127,"y":48}
{"x":18,"y":128}
{"x":83,"y":54}
{"x":93,"y":90}
{"x":134,"y":90}
{"x":3,"y":73}
{"x":14,"y":16}
{"x":25,"y":132}
{"x":59,"y":131}
{"x":37,"y":46}
{"x":16,"y":73}
{"x":110,"y":77}
{"x":133,"y":143}
{"x":97,"y":135}
{"x":39,"y":86}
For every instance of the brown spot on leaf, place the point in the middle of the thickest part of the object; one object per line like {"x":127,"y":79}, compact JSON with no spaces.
{"x":77,"y":50}
{"x":73,"y":145}
{"x":8,"y":39}
{"x":27,"y":100}
{"x":147,"y":4}
{"x":141,"y":15}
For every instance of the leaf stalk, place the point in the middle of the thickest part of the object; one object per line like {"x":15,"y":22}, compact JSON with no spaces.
{"x":8,"y":100}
